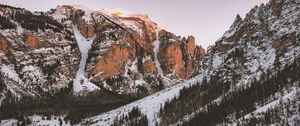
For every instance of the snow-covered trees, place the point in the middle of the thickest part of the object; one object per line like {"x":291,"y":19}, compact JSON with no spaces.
{"x":134,"y":118}
{"x":213,"y":103}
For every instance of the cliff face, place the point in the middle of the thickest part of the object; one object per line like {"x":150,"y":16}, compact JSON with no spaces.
{"x":179,"y":57}
{"x":130,"y":54}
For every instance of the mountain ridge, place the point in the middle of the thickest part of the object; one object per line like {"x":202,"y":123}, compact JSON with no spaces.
{"x":255,"y":62}
{"x":244,"y":54}
{"x":128,"y":58}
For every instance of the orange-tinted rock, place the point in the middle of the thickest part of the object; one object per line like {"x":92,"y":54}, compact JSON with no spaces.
{"x":145,"y":36}
{"x":32,"y":41}
{"x":113,"y":63}
{"x":90,"y":31}
{"x":86,"y":30}
{"x":4,"y":45}
{"x":179,"y":55}
{"x":149,"y":67}
{"x":139,"y":40}
{"x":173,"y":57}
{"x":191,"y":45}
{"x":148,"y":29}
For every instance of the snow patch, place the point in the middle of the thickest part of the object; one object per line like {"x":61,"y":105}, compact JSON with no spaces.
{"x":34,"y":73}
{"x":20,"y":30}
{"x":81,"y":82}
{"x":8,"y":122}
{"x":10,"y":73}
{"x":156,"y":50}
{"x":217,"y":61}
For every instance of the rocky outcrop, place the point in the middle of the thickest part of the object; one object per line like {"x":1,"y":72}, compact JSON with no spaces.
{"x":263,"y":22}
{"x":32,"y":41}
{"x":191,"y":45}
{"x":123,"y":48}
{"x":112,"y":64}
{"x":179,"y":56}
{"x":130,"y":54}
{"x":87,"y":30}
{"x":4,"y":45}
{"x":200,"y":53}
{"x":173,"y":62}
{"x":79,"y":16}
{"x":150,"y":67}
{"x":276,"y":6}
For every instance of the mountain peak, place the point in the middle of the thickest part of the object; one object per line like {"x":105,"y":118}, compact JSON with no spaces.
{"x":238,"y":19}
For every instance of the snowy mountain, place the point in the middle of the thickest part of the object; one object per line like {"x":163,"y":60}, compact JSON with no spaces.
{"x":249,"y":77}
{"x":72,"y":53}
{"x":39,"y":56}
{"x":130,"y":55}
{"x":120,"y":52}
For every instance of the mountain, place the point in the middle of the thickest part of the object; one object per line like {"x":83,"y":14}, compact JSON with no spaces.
{"x":131,"y":52}
{"x":250,"y":76}
{"x":72,"y":58}
{"x":73,"y":46}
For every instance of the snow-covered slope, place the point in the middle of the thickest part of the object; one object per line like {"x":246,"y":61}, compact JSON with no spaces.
{"x":81,"y":82}
{"x":260,"y":43}
{"x":149,"y":105}
{"x":156,"y":50}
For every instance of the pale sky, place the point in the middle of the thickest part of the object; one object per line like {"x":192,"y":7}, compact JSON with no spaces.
{"x":207,"y":20}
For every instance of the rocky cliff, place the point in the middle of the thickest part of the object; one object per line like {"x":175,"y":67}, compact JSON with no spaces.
{"x":129,"y":54}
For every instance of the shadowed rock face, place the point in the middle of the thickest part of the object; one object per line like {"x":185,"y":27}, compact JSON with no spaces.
{"x":263,"y":22}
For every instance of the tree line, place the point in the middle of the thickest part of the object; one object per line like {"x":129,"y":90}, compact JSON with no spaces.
{"x":32,"y":21}
{"x":134,"y":118}
{"x":232,"y":105}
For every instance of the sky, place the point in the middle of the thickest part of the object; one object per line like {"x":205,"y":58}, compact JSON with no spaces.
{"x":206,"y":20}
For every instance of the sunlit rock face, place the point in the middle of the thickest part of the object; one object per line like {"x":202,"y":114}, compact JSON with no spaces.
{"x":179,"y":56}
{"x":32,"y":41}
{"x":130,"y":54}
